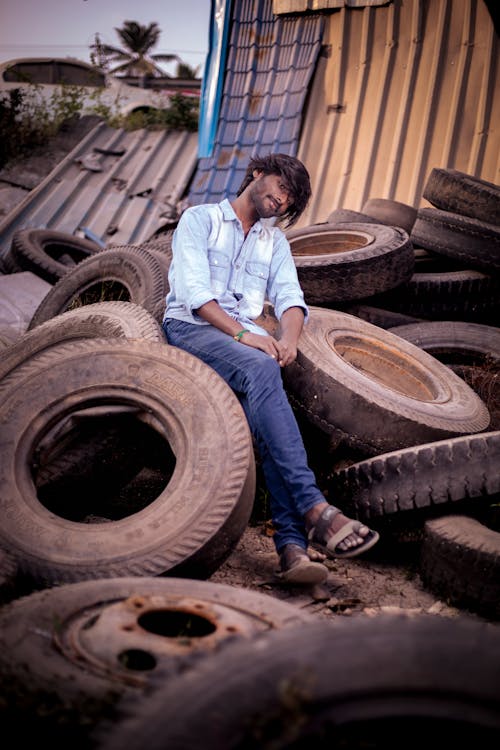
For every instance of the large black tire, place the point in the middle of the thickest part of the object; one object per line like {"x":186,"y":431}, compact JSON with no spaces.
{"x":193,"y":524}
{"x":68,"y":653}
{"x":354,"y":684}
{"x":100,"y":320}
{"x":50,"y":254}
{"x":342,"y":263}
{"x":391,"y":212}
{"x":460,"y":561}
{"x":476,"y":244}
{"x":406,"y":487}
{"x":380,"y":391}
{"x":454,"y":294}
{"x":454,"y":342}
{"x":460,"y":193}
{"x":132,"y":275}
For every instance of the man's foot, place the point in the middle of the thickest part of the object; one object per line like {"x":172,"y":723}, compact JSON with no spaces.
{"x":335,"y":534}
{"x":296,"y":567}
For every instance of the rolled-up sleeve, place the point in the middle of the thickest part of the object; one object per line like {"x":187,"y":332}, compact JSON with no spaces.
{"x":190,"y":253}
{"x":284,"y":290}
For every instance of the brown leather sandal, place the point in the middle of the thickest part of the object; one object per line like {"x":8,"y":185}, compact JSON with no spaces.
{"x":317,"y":536}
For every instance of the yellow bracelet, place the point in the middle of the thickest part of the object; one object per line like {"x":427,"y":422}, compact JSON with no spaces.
{"x":237,"y":336}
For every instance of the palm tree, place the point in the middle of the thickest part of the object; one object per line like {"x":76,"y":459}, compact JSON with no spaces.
{"x":136,"y":59}
{"x":184,"y":70}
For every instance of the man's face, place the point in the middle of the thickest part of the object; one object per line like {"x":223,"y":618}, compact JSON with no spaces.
{"x":270,"y":195}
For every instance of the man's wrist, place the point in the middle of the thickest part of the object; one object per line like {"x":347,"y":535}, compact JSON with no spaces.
{"x":238,"y":336}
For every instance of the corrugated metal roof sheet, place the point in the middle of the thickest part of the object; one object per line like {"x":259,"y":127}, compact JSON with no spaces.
{"x":120,"y":185}
{"x":407,"y":87}
{"x":269,"y":65}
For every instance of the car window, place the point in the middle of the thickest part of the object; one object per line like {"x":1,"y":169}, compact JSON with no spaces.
{"x":76,"y":76}
{"x":30,"y":72}
{"x":53,"y":72}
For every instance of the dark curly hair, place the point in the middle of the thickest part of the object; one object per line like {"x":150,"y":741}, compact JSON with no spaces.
{"x":293,"y":173}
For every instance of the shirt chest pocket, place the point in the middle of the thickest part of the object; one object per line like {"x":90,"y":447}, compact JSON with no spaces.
{"x":256,"y":275}
{"x":219,"y":268}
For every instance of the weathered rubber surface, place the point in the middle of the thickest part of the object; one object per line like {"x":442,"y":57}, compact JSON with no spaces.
{"x":81,"y":639}
{"x":463,"y":294}
{"x":454,"y":341}
{"x":356,"y":683}
{"x":75,"y":649}
{"x":381,"y":391}
{"x":48,"y":253}
{"x":8,"y":576}
{"x":461,"y":193}
{"x":380,"y":317}
{"x":191,"y":527}
{"x":485,"y":381}
{"x":419,"y":481}
{"x":474,"y":243}
{"x":346,"y":215}
{"x":134,"y":274}
{"x":159,"y":244}
{"x":99,"y":320}
{"x":460,"y":561}
{"x":8,"y":264}
{"x":391,"y":212}
{"x":337,"y":264}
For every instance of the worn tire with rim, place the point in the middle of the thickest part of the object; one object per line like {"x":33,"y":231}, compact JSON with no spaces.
{"x":357,"y":683}
{"x":75,"y":649}
{"x":191,"y":527}
{"x":380,"y":391}
{"x":342,"y":263}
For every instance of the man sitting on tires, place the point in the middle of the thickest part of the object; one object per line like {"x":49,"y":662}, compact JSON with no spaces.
{"x":227,"y":260}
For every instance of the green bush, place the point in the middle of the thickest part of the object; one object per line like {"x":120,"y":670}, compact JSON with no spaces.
{"x":182,"y":114}
{"x":27,"y":120}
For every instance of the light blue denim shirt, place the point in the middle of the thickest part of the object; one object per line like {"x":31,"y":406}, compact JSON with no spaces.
{"x":211,"y":259}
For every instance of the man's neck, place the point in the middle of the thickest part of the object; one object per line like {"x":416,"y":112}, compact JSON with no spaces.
{"x":245,"y":212}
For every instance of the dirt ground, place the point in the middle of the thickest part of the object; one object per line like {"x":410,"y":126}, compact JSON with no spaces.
{"x":385,"y":579}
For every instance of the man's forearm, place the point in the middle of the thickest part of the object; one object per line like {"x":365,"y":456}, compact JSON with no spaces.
{"x":292,"y":322}
{"x":213,"y":313}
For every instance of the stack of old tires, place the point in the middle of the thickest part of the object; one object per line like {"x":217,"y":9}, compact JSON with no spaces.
{"x":400,"y":364}
{"x":127,"y":476}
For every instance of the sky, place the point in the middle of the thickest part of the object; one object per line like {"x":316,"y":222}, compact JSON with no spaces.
{"x":67,"y":28}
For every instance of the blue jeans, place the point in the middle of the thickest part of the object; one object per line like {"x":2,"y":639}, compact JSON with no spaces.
{"x":256,"y":379}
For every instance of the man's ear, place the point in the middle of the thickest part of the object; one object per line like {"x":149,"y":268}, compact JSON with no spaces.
{"x":257,"y":173}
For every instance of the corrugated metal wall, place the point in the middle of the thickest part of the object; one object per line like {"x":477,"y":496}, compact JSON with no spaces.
{"x":122,"y":186}
{"x":405,"y":87}
{"x":270,"y":62}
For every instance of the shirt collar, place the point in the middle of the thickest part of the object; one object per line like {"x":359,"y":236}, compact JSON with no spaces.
{"x":229,"y":215}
